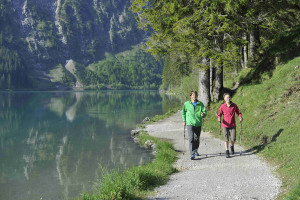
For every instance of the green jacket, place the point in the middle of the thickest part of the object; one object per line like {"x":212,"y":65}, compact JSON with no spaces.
{"x":193,"y":116}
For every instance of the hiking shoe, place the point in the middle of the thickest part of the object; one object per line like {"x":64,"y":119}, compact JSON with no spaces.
{"x":197,"y":154}
{"x":232,"y":150}
{"x":227,"y":154}
{"x":192,"y":157}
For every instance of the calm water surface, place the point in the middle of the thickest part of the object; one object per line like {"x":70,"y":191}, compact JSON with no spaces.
{"x":52,"y":143}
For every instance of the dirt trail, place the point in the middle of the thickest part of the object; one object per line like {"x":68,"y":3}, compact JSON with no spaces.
{"x":213,"y":177}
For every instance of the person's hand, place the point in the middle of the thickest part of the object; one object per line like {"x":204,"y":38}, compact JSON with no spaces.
{"x":202,"y":114}
{"x":219,"y":119}
{"x":241,"y":119}
{"x":184,"y":124}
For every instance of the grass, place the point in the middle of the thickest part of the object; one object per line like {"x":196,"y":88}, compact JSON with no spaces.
{"x":137,"y":182}
{"x":56,"y":73}
{"x":242,"y":76}
{"x":270,"y":109}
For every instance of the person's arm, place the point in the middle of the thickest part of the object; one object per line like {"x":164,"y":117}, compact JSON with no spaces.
{"x":183,"y":114}
{"x":238,"y":112}
{"x":204,"y":112}
{"x":220,"y":114}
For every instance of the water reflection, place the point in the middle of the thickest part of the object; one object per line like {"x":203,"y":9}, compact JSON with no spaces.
{"x":53,"y":142}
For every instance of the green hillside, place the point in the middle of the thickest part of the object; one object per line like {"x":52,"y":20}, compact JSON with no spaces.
{"x":270,"y":107}
{"x":132,"y":69}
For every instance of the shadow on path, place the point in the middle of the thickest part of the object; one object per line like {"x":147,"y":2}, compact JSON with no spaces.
{"x":254,"y":150}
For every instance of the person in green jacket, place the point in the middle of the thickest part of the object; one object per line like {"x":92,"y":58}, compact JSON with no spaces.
{"x":192,"y":113}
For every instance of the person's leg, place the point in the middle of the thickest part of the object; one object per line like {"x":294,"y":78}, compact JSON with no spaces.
{"x":226,"y":139}
{"x":191,"y":138}
{"x":233,"y":138}
{"x":197,"y":133}
{"x":226,"y":145}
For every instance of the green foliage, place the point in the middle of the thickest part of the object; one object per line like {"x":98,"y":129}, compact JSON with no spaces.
{"x":176,"y":66}
{"x":286,"y":44}
{"x":68,"y":78}
{"x":135,"y":182}
{"x":270,"y":125}
{"x":75,"y":17}
{"x":214,"y":29}
{"x":196,"y":28}
{"x":44,"y":25}
{"x":133,"y":69}
{"x":12,"y":70}
{"x":86,"y":76}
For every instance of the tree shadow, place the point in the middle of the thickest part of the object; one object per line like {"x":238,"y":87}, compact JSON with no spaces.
{"x":258,"y":148}
{"x":284,"y":49}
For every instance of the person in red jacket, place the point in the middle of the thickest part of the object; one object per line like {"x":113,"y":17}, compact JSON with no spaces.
{"x":228,"y":110}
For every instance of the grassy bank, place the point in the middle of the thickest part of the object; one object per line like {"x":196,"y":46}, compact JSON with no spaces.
{"x":270,"y":108}
{"x":136,"y":182}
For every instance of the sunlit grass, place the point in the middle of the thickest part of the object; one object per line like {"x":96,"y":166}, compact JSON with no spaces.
{"x":271,"y":121}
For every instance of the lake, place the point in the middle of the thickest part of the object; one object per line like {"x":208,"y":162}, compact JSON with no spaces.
{"x":54,"y":144}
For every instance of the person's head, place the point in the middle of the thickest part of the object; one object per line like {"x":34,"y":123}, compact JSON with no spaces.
{"x":193,"y":95}
{"x":227,"y":97}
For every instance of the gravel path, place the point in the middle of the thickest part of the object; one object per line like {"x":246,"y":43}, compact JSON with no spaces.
{"x":213,"y":177}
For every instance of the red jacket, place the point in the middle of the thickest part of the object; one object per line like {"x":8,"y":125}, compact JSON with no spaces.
{"x":229,"y":114}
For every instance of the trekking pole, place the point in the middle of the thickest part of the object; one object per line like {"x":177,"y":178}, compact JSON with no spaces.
{"x":220,"y":137}
{"x":241,"y":138}
{"x":183,"y":140}
{"x":204,"y":137}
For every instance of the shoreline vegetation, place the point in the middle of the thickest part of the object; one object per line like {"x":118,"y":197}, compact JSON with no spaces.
{"x":270,"y":129}
{"x":138,"y":181}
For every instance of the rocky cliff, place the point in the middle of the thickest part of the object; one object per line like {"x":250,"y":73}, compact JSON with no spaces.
{"x":54,"y":31}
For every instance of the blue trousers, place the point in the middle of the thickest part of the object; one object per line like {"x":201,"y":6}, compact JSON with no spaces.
{"x":194,"y":138}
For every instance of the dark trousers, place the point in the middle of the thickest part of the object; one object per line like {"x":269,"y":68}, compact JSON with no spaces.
{"x":194,"y":138}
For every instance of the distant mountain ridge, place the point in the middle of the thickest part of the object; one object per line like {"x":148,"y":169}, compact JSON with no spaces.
{"x":48,"y":33}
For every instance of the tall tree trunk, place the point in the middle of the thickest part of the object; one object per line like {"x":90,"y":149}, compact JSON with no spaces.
{"x":254,"y":40}
{"x":203,"y":90}
{"x":211,"y":78}
{"x":252,"y":44}
{"x":242,"y":57}
{"x":245,"y":50}
{"x":181,"y":80}
{"x":218,"y":83}
{"x":218,"y":74}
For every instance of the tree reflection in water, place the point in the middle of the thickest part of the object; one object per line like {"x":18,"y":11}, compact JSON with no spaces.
{"x":52,"y":143}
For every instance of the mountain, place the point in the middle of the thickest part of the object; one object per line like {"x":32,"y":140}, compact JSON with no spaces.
{"x":37,"y":37}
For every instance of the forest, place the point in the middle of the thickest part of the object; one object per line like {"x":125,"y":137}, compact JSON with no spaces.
{"x":11,"y":67}
{"x":214,"y":39}
{"x":132,"y":69}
